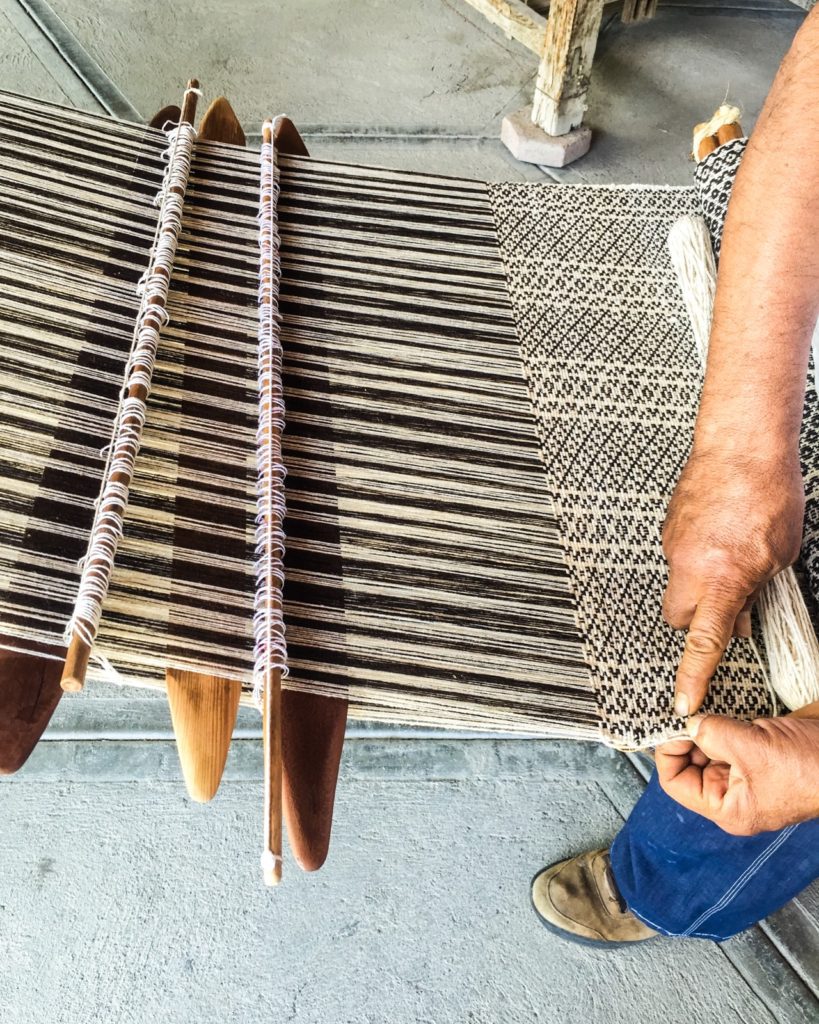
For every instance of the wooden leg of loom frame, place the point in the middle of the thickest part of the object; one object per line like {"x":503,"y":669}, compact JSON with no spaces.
{"x":204,"y":707}
{"x":29,"y":693}
{"x":565,"y":64}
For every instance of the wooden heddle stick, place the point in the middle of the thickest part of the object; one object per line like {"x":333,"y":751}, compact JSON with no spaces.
{"x":303,"y":732}
{"x":112,"y":503}
{"x":204,"y":707}
{"x":313,"y":724}
{"x":790,"y":641}
{"x":269,"y":616}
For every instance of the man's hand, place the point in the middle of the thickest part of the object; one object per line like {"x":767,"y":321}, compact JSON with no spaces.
{"x":746,"y":777}
{"x":735,"y":520}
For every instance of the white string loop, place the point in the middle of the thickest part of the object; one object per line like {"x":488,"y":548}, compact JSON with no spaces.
{"x":268,"y":618}
{"x":121,"y":453}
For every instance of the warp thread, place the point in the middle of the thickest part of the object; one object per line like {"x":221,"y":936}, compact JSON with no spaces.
{"x":268,"y":619}
{"x":790,"y":641}
{"x":126,"y":436}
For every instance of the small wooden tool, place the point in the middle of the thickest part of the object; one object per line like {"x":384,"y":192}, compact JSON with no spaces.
{"x":707,"y":144}
{"x":203,"y":712}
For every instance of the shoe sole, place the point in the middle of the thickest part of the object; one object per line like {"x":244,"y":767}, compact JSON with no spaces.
{"x":568,"y":936}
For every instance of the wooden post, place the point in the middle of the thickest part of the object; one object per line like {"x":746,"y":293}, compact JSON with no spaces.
{"x":638,"y":10}
{"x":565,"y":64}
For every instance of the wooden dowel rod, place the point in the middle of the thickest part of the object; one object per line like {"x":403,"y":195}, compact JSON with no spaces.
{"x":272,"y":732}
{"x":189,"y":102}
{"x":706,"y":146}
{"x":76,"y":665}
{"x":272,"y":701}
{"x":79,"y":652}
{"x":728,"y":132}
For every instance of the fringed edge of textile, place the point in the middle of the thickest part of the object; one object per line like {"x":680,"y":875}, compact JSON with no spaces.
{"x":268,"y":619}
{"x":121,"y":453}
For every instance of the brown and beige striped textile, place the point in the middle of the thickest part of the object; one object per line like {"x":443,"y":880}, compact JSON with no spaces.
{"x":489,"y":393}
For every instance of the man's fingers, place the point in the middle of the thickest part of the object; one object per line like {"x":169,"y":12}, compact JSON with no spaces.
{"x":708,"y":636}
{"x":684,"y":783}
{"x":715,"y":777}
{"x":673,"y":757}
{"x":723,"y":739}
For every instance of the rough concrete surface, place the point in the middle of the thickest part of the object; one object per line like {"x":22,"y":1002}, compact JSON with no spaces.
{"x":349,"y":73}
{"x":128,"y":903}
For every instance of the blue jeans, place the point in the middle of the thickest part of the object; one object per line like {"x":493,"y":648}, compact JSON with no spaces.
{"x":682,"y":875}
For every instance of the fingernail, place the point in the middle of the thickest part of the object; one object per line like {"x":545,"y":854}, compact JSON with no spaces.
{"x":692,"y":726}
{"x":682,"y":705}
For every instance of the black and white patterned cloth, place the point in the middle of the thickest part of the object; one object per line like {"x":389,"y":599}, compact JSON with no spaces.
{"x":614,"y":379}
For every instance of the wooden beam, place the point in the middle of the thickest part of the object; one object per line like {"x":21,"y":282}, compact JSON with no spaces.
{"x":638,"y":10}
{"x":518,"y":21}
{"x":565,"y":65}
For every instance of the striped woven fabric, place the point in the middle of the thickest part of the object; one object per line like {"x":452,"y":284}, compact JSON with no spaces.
{"x":445,"y":557}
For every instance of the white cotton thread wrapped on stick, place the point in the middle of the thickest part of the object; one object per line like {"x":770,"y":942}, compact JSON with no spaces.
{"x":790,"y":641}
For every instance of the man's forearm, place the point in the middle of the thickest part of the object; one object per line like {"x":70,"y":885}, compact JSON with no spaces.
{"x":768,"y":286}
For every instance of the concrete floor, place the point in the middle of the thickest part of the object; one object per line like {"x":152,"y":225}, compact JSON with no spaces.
{"x":120,"y":901}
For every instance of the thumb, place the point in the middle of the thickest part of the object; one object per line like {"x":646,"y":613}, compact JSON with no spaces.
{"x":708,"y":635}
{"x":720,"y":739}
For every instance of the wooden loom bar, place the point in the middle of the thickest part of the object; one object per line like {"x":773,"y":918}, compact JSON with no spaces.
{"x":312,"y":724}
{"x":79,"y":650}
{"x":272,"y":695}
{"x":204,"y":707}
{"x":516,"y":19}
{"x":273,"y":779}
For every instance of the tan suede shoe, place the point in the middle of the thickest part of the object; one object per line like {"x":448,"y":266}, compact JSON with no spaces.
{"x":578,"y":900}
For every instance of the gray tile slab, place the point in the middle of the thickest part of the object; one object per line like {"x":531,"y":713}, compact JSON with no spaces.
{"x":653,"y":81}
{"x":370,"y":62}
{"x":146,"y":907}
{"x":29,"y":64}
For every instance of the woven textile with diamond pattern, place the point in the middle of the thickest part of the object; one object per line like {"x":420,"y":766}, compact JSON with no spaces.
{"x":490,"y":391}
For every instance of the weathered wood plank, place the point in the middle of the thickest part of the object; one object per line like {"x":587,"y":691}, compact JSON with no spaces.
{"x":565,"y":66}
{"x":518,"y":21}
{"x":638,"y":10}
